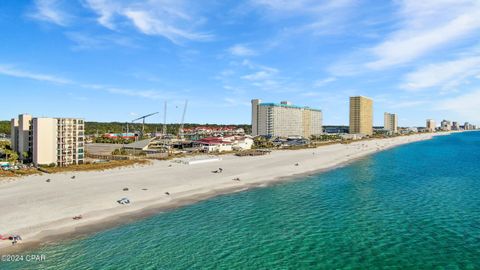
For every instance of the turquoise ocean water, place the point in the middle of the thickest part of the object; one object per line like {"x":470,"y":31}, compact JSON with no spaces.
{"x":412,"y":207}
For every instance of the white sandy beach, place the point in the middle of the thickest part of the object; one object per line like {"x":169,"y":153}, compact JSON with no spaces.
{"x":36,"y":210}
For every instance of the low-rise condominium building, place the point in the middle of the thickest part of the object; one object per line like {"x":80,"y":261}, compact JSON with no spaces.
{"x":46,"y":141}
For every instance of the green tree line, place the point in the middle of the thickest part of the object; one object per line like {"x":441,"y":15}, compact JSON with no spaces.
{"x":5,"y":127}
{"x":117,"y":127}
{"x":6,"y":152}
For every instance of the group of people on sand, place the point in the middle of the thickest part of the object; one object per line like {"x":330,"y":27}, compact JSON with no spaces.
{"x":220,"y":170}
{"x":13,"y":237}
{"x":50,"y":180}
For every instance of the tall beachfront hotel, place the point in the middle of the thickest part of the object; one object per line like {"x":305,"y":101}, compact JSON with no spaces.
{"x":390,"y":122}
{"x":284,"y":119}
{"x":361,"y":115}
{"x":431,"y":125}
{"x":46,"y":140}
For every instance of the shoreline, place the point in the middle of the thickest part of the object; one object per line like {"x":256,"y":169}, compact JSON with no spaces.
{"x":60,"y":226}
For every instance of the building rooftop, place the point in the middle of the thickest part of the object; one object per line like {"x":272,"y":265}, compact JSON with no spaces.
{"x":362,"y":97}
{"x":288,"y":106}
{"x":214,"y":140}
{"x":143,"y":144}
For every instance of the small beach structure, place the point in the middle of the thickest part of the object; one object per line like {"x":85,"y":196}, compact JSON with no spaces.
{"x":255,"y":152}
{"x":138,"y":146}
{"x":214,"y":144}
{"x":224,"y":144}
{"x":199,"y":160}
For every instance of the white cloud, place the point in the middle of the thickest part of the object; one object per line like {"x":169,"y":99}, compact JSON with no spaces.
{"x":234,"y":101}
{"x":407,"y":104}
{"x":13,"y":72}
{"x":302,"y":6}
{"x":241,"y":50}
{"x":311,"y":94}
{"x":251,"y":65}
{"x":149,"y":94}
{"x":174,"y":20}
{"x":76,"y":97}
{"x":106,"y":9}
{"x":444,"y":75}
{"x":234,"y":90}
{"x":259,"y":75}
{"x":316,"y":17}
{"x":156,"y":17}
{"x":50,"y":11}
{"x":88,"y":42}
{"x":320,"y":83}
{"x":150,"y":25}
{"x":426,"y":26}
{"x":262,"y":73}
{"x":227,"y":72}
{"x":466,"y":106}
{"x":347,"y":66}
{"x":267,"y":79}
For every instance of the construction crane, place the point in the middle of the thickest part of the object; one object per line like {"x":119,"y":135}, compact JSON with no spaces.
{"x":143,"y":121}
{"x":165,"y":120}
{"x":180,"y":130}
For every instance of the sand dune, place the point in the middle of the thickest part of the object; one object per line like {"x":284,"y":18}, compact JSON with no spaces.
{"x":39,"y":211}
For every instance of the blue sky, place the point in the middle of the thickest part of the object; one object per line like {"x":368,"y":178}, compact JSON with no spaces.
{"x":113,"y":60}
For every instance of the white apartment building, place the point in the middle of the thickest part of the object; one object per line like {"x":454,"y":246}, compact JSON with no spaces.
{"x":446,"y":125}
{"x":468,"y":126}
{"x":455,"y":126}
{"x":390,"y":122}
{"x":431,"y":125}
{"x":285,"y":119}
{"x":20,"y":136}
{"x":46,"y":140}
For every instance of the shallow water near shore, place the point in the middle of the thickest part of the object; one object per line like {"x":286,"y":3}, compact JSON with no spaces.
{"x":414,"y":206}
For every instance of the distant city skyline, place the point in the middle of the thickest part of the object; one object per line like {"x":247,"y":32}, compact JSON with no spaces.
{"x":105,"y":60}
